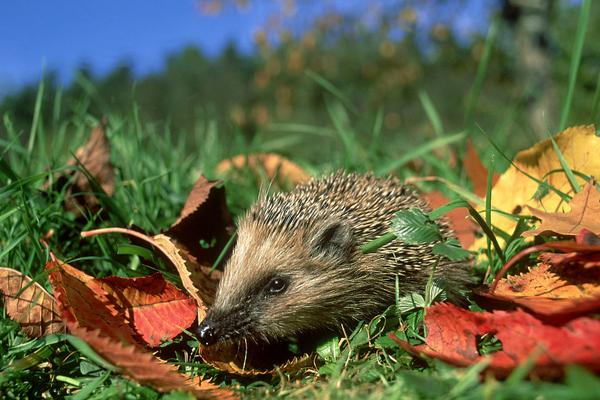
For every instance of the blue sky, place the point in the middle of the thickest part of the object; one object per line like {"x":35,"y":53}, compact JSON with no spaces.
{"x":60,"y":35}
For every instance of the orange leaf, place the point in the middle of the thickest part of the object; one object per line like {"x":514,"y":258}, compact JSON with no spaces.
{"x":89,"y":313}
{"x":461,"y":224}
{"x":274,"y":166}
{"x":158,"y":309}
{"x":29,"y":304}
{"x":83,"y":300}
{"x":584,"y":214}
{"x":453,"y":333}
{"x":563,"y":287}
{"x":142,"y":367}
{"x":476,"y":171}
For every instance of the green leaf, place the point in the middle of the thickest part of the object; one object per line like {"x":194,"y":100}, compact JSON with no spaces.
{"x":451,"y":249}
{"x":413,"y":226}
{"x":330,"y":350}
{"x":410,"y":302}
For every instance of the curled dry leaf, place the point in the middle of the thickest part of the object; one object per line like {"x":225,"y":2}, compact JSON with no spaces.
{"x":249,"y":358}
{"x":584,"y":214}
{"x":274,"y":166}
{"x":194,"y":278}
{"x":29,"y":304}
{"x":453,"y":334}
{"x":514,"y":191}
{"x":205,"y":220}
{"x":89,"y":313}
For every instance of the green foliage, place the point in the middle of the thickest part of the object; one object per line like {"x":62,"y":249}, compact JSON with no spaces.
{"x":412,"y":226}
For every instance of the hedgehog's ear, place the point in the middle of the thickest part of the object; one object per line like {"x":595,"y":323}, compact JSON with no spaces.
{"x":333,"y":238}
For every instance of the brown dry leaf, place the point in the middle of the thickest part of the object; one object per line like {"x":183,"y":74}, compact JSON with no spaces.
{"x":273,"y":165}
{"x":89,"y":313}
{"x":476,"y":171}
{"x":514,"y":191}
{"x":94,"y":156}
{"x":196,"y":279}
{"x":584,"y":214}
{"x":203,"y":219}
{"x":197,"y":197}
{"x":250,"y":359}
{"x":29,"y":304}
{"x":554,"y":294}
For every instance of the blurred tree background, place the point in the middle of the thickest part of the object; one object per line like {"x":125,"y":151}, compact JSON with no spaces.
{"x":384,"y":59}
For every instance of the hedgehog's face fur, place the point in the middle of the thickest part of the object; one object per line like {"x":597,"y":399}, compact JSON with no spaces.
{"x":279,"y":283}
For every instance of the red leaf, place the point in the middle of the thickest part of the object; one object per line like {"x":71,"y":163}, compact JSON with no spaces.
{"x":89,"y":314}
{"x":453,"y":335}
{"x":83,"y":300}
{"x":158,"y":309}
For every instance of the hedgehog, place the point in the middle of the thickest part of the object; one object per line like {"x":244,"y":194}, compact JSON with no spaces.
{"x":297,"y":267}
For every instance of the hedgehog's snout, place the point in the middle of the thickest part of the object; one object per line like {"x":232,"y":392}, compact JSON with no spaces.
{"x":208,"y":332}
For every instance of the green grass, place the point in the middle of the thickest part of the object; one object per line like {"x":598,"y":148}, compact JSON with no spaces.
{"x":155,"y":170}
{"x":154,"y":173}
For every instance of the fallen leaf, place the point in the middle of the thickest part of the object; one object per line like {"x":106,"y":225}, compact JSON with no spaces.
{"x":196,"y":280}
{"x":460,"y":222}
{"x":94,"y":156}
{"x":89,"y":313}
{"x":29,"y":304}
{"x":453,"y":334}
{"x":476,"y":171}
{"x":564,"y":286}
{"x":584,"y":214}
{"x":142,"y":367}
{"x":514,"y":191}
{"x":158,"y":310}
{"x":204,"y":225}
{"x":83,"y":300}
{"x":197,"y":197}
{"x":274,"y":166}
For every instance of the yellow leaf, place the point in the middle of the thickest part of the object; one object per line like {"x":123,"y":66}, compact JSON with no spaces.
{"x":514,"y":191}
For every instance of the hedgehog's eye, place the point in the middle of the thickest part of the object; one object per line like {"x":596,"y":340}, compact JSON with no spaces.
{"x":277,"y":285}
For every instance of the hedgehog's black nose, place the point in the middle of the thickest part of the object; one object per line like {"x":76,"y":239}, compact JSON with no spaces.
{"x":207,"y":333}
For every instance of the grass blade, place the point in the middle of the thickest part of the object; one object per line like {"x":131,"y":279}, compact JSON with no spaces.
{"x":481,"y":71}
{"x":582,"y":24}
{"x":419,"y":151}
{"x":432,"y":114}
{"x":331,"y":88}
